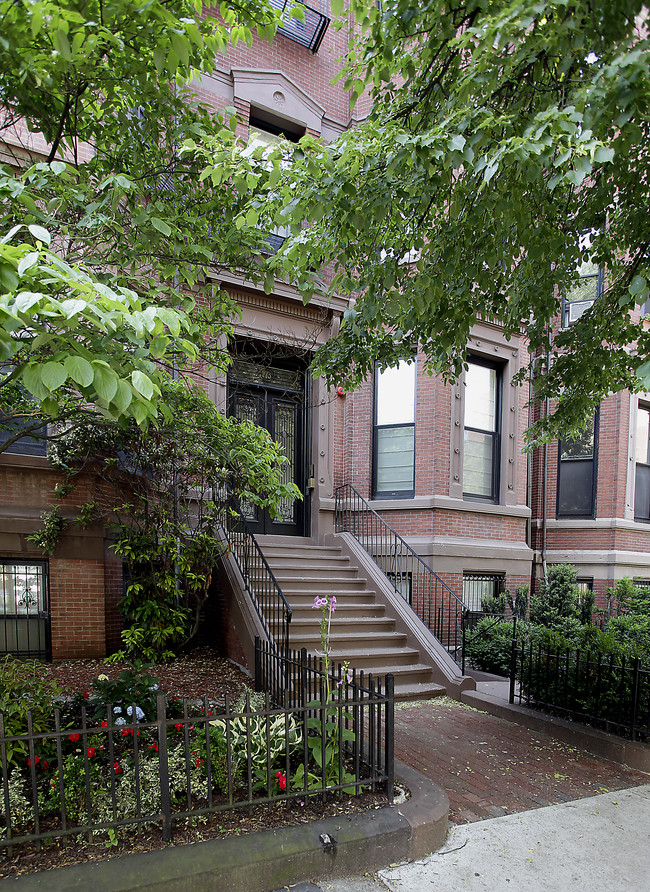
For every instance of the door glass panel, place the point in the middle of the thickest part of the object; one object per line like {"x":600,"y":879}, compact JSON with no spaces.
{"x":478,"y":463}
{"x":285,"y":435}
{"x":247,"y":409}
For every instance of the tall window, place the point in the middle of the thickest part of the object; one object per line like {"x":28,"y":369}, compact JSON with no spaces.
{"x":394,"y":432}
{"x":266,"y":129}
{"x":642,"y":481}
{"x":576,"y":486}
{"x":482,"y":431}
{"x":588,"y":288}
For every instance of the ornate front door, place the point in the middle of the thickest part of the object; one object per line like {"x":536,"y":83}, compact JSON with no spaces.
{"x":273,"y":398}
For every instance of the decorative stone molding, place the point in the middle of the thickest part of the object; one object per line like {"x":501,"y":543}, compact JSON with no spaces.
{"x":276,"y":93}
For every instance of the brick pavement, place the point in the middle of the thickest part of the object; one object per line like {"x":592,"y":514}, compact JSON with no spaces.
{"x":490,"y":767}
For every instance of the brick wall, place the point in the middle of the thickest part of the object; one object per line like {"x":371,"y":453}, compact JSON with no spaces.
{"x":77,"y":608}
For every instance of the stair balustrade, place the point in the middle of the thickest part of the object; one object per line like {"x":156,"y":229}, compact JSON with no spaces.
{"x":431,"y":599}
{"x":271,"y":606}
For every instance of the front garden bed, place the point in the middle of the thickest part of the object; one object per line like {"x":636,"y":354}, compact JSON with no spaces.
{"x":121,"y":765}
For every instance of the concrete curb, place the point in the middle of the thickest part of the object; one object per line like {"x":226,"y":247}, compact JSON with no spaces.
{"x":607,"y":746}
{"x":272,"y":858}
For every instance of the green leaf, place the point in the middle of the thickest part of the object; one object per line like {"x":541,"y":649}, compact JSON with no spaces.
{"x":27,"y":262}
{"x":142,"y":384}
{"x":161,"y":226}
{"x":62,"y":45}
{"x":53,"y":375}
{"x":638,"y":286}
{"x":104,"y":380}
{"x":79,"y":369}
{"x":123,"y":396}
{"x":39,"y":233}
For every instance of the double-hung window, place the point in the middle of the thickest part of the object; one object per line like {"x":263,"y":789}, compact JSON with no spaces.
{"x":642,"y":479}
{"x":576,"y":485}
{"x":394,"y":432}
{"x":587,"y":289}
{"x":482,"y":446}
{"x":268,"y":130}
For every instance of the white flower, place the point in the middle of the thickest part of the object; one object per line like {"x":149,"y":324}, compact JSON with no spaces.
{"x":102,"y":678}
{"x":120,"y":721}
{"x":154,"y":687}
{"x":117,"y":710}
{"x":139,"y":714}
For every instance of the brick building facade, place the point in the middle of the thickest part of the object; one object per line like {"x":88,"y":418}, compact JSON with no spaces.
{"x":444,"y":467}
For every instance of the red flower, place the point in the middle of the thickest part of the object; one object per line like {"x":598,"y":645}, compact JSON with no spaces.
{"x":45,"y":765}
{"x":117,"y":768}
{"x":103,"y":724}
{"x":154,"y":747}
{"x":73,"y":737}
{"x":127,"y":731}
{"x":86,"y":695}
{"x":37,"y":759}
{"x":91,"y":752}
{"x":281,"y":780}
{"x":199,"y":762}
{"x":178,"y":726}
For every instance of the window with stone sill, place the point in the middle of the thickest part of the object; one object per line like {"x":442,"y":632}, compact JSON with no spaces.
{"x":642,"y":472}
{"x":482,"y":431}
{"x":577,"y":462}
{"x":393,"y":465}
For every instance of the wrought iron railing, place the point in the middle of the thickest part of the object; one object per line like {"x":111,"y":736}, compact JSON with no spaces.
{"x":591,"y":689}
{"x":308,"y":30}
{"x":271,"y":606}
{"x":431,"y":599}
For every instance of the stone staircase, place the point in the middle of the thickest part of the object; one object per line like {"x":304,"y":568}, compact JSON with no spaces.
{"x":361,"y":632}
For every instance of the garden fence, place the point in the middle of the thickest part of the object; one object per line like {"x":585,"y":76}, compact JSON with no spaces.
{"x":596,"y":691}
{"x":97,"y":775}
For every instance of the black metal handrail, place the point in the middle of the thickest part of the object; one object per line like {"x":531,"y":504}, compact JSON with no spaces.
{"x":431,"y":599}
{"x":273,"y":609}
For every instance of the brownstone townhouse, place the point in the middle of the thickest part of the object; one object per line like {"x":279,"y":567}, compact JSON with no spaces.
{"x":434,"y":474}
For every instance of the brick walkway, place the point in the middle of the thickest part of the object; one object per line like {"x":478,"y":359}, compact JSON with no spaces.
{"x":491,"y":767}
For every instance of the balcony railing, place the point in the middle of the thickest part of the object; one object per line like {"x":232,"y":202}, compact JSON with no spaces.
{"x":310,"y":31}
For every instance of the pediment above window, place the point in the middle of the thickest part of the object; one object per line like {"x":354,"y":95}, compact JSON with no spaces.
{"x":275,"y":92}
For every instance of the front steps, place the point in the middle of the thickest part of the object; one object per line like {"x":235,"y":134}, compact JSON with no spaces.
{"x":360,"y":632}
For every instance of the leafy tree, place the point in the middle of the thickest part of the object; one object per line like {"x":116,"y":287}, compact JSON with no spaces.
{"x":507,"y":145}
{"x":162,"y":493}
{"x":105,"y":242}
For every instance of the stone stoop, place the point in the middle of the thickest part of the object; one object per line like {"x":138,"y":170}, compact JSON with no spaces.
{"x":361,"y":631}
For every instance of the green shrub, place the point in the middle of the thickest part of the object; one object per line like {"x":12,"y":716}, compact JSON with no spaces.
{"x":24,"y":686}
{"x":494,"y":604}
{"x":557,"y":599}
{"x":132,"y":686}
{"x":488,"y":646}
{"x":518,"y":603}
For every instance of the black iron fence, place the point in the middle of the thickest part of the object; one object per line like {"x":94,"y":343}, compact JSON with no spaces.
{"x":124,"y":770}
{"x":266,"y":595}
{"x":429,"y":597}
{"x":613,"y":696}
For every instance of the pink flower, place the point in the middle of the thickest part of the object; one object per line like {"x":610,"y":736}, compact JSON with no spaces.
{"x":319,"y":603}
{"x":332,"y":604}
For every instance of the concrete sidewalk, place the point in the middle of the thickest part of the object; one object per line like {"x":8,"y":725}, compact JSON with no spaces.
{"x":600,"y":844}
